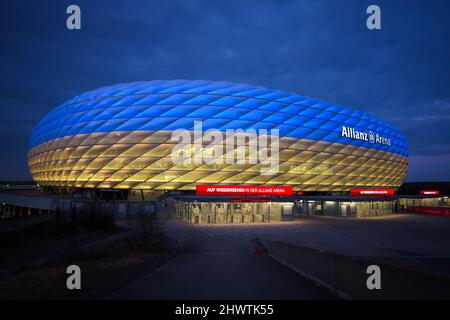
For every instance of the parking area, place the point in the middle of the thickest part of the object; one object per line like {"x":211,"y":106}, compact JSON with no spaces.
{"x":230,"y":230}
{"x":420,"y":242}
{"x":219,"y":261}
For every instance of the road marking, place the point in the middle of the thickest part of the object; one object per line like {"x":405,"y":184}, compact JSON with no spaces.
{"x":231,"y":230}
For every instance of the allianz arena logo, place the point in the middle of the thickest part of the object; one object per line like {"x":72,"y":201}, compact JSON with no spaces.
{"x":370,"y":136}
{"x":234,"y":146}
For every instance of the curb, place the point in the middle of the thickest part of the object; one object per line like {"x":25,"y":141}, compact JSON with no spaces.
{"x":314,"y":279}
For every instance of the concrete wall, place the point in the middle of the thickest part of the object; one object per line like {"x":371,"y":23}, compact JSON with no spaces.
{"x":347,"y":276}
{"x":71,"y":209}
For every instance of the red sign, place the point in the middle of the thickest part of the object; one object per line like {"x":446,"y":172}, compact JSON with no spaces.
{"x":204,"y":190}
{"x":429,"y":192}
{"x":249,"y":199}
{"x":372,"y":192}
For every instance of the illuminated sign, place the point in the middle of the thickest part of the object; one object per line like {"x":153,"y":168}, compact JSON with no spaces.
{"x":372,"y":192}
{"x":205,"y":190}
{"x":249,"y":199}
{"x":371,"y":136}
{"x":429,"y":192}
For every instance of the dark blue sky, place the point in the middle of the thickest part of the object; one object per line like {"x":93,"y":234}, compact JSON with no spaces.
{"x":315,"y":48}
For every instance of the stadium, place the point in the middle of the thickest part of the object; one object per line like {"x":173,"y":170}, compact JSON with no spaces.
{"x":122,"y":137}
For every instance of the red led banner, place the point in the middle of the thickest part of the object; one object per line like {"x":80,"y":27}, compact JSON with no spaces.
{"x":372,"y":192}
{"x":249,"y":199}
{"x":204,"y":190}
{"x":429,"y":192}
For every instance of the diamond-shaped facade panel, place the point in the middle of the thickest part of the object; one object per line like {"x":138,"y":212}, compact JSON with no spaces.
{"x":121,"y":136}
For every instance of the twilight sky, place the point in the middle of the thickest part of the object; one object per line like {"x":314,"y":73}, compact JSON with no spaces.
{"x":316,"y":48}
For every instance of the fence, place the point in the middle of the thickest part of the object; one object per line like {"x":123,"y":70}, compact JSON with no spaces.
{"x":347,"y":275}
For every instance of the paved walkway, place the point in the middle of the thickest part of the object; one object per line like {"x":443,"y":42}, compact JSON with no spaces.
{"x":255,"y":230}
{"x":221,"y":267}
{"x":217,"y":261}
{"x":411,"y":241}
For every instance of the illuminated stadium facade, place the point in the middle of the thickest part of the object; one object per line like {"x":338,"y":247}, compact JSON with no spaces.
{"x":283,"y":154}
{"x":121,"y":137}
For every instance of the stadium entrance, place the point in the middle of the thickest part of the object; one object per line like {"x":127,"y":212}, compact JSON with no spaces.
{"x":235,"y":211}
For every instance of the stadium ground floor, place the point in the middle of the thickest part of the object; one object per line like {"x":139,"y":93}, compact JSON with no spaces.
{"x":200,"y":209}
{"x":226,"y":210}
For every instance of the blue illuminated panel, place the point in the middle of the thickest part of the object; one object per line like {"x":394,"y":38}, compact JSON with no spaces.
{"x":175,"y":104}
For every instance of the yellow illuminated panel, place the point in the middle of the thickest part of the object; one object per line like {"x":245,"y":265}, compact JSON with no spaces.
{"x":142,"y":160}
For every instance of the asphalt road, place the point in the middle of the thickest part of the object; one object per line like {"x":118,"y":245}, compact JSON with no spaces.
{"x":218,"y":261}
{"x":411,"y":241}
{"x":209,"y":267}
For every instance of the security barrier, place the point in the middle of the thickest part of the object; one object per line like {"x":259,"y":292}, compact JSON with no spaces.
{"x":347,"y":275}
